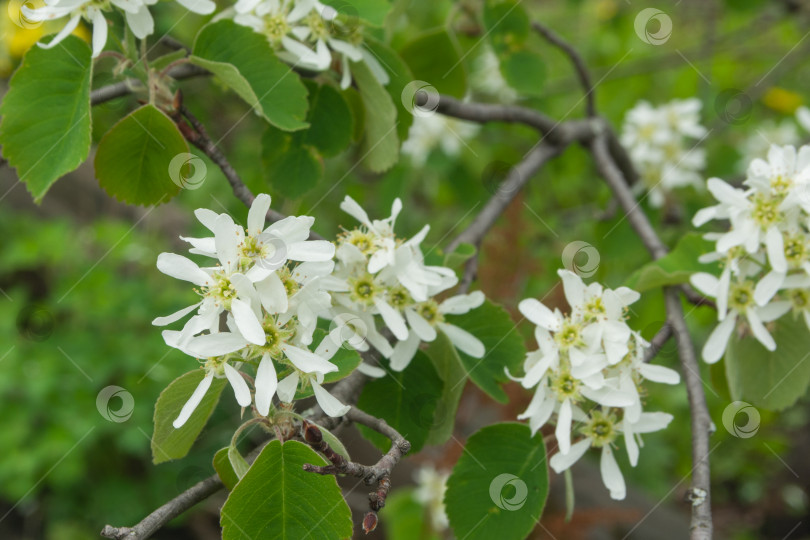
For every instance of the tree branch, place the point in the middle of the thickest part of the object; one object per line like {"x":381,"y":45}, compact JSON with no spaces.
{"x":658,"y":341}
{"x":128,"y":86}
{"x":576,"y":59}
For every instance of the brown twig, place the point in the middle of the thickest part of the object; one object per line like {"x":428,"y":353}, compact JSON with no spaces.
{"x":658,"y":341}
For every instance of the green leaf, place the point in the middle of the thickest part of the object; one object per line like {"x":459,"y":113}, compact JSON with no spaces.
{"x":525,"y":71}
{"x":371,"y":11}
{"x":244,"y":61}
{"x":770,"y":380}
{"x":45,"y":130}
{"x":167,"y":442}
{"x":238,"y":463}
{"x":330,"y":120}
{"x":160,"y":63}
{"x":133,"y":158}
{"x":278,"y":500}
{"x":400,"y":76}
{"x":674,"y":267}
{"x":499,"y":486}
{"x":507,"y":25}
{"x":434,"y":59}
{"x":405,"y":518}
{"x":380,"y":143}
{"x":454,"y":377}
{"x":463,"y":253}
{"x":504,"y":347}
{"x":355,"y":102}
{"x":222,"y":464}
{"x":290,"y":167}
{"x":406,"y":400}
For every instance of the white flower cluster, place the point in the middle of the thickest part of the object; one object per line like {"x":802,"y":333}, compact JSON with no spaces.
{"x":765,"y":254}
{"x":380,"y":274}
{"x":271,"y":285}
{"x":136,"y":13}
{"x":310,"y":35}
{"x":661,"y":143}
{"x":590,"y":370}
{"x":431,"y":131}
{"x":769,"y":133}
{"x":431,"y":486}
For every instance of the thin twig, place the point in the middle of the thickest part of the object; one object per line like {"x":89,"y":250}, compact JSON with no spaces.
{"x":129,"y":86}
{"x":658,"y":341}
{"x":579,"y":65}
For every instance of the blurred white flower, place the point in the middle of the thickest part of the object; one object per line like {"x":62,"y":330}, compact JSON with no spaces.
{"x":430,"y":488}
{"x":431,"y":131}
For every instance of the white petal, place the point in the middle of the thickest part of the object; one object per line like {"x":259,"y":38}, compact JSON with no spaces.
{"x":202,"y":7}
{"x":463,"y":340}
{"x":563,"y":429}
{"x":393,"y":319}
{"x":226,"y":238}
{"x":652,"y":421}
{"x":307,"y":361}
{"x":659,"y":374}
{"x":176,"y":316}
{"x":773,"y":311}
{"x":371,"y":371}
{"x":207,"y":217}
{"x":266,"y":384}
{"x":404,"y":352}
{"x":141,"y":22}
{"x":776,"y":249}
{"x":219,"y":344}
{"x":193,"y":401}
{"x":420,"y":326}
{"x":180,"y":267}
{"x":249,"y":326}
{"x":63,"y":33}
{"x":273,"y":294}
{"x":329,"y":403}
{"x":311,"y":251}
{"x":716,"y":344}
{"x":560,"y":462}
{"x":461,"y":304}
{"x":631,"y":445}
{"x":539,"y":314}
{"x":612,"y":475}
{"x":705,"y":283}
{"x":573,"y":287}
{"x":759,"y":330}
{"x":287,"y":387}
{"x":240,"y":387}
{"x":99,"y":32}
{"x":258,"y":214}
{"x":768,"y":287}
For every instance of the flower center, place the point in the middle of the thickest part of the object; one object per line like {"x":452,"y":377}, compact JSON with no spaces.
{"x":276,"y":27}
{"x":398,"y":297}
{"x":568,"y":336}
{"x":800,"y":298}
{"x":363,"y":289}
{"x":361,"y":240}
{"x":766,"y":211}
{"x":222,"y":289}
{"x":429,"y":311}
{"x":795,"y":250}
{"x":741,"y":296}
{"x":566,"y":386}
{"x":600,"y":429}
{"x":780,"y":184}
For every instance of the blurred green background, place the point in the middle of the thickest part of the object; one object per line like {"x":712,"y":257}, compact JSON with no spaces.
{"x":79,"y":287}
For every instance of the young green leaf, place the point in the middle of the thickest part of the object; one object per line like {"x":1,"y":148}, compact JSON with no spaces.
{"x":454,"y":378}
{"x":330,"y":120}
{"x":504,"y":347}
{"x":400,"y":76}
{"x":290,"y":167}
{"x":278,"y":500}
{"x":406,"y":400}
{"x":525,"y":71}
{"x":499,"y":485}
{"x":380,"y":144}
{"x":674,"y":267}
{"x":244,"y":61}
{"x":223,"y":467}
{"x":133,"y":158}
{"x":771,"y":380}
{"x":167,"y":442}
{"x":45,"y":130}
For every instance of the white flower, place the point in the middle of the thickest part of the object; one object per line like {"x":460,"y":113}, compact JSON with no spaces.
{"x":430,"y":488}
{"x":486,"y":77}
{"x":136,"y":13}
{"x":219,"y":368}
{"x":431,"y":131}
{"x":600,"y":431}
